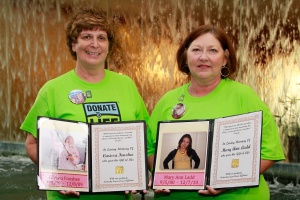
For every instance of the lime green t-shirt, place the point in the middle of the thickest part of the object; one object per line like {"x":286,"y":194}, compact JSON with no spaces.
{"x":227,"y":99}
{"x":115,"y":98}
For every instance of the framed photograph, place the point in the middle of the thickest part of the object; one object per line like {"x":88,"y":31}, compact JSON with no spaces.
{"x":91,"y":157}
{"x":189,"y":174}
{"x":222,"y":153}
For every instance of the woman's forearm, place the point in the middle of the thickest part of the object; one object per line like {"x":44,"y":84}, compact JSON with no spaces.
{"x":265,"y":165}
{"x":31,"y":146}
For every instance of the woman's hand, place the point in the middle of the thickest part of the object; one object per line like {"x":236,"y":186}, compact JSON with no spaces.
{"x":211,"y":191}
{"x":137,"y":191}
{"x":162,"y":191}
{"x":69,"y":193}
{"x":70,"y":157}
{"x":157,"y":191}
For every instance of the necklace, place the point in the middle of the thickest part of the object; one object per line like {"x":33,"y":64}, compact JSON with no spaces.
{"x":182,"y":152}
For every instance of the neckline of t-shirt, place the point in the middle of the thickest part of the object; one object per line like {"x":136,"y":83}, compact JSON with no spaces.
{"x":88,"y":84}
{"x":210,"y":95}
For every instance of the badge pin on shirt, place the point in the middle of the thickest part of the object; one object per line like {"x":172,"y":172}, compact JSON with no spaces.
{"x":77,"y":96}
{"x":88,"y":94}
{"x":179,"y":109}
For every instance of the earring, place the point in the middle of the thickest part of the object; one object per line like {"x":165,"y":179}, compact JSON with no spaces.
{"x":226,"y":69}
{"x":186,"y":67}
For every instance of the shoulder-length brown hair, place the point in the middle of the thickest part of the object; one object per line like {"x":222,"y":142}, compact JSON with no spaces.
{"x":189,"y":147}
{"x":220,"y":35}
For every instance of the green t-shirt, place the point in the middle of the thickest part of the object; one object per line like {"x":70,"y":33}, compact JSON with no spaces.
{"x":115,"y":98}
{"x":228,"y":98}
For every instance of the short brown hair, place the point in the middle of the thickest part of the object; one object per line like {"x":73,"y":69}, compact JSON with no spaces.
{"x":220,"y":35}
{"x":87,"y":19}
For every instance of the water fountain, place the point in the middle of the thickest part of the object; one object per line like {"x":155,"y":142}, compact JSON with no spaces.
{"x":265,"y":34}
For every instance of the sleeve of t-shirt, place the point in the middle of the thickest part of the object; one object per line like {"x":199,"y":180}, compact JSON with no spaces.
{"x":39,"y":108}
{"x":152,"y":129}
{"x":271,"y":147}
